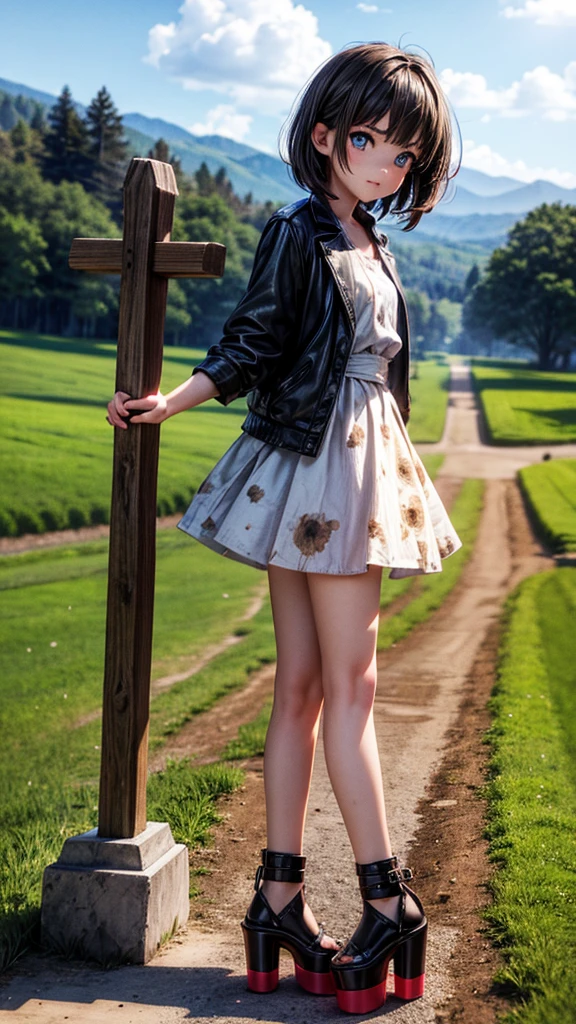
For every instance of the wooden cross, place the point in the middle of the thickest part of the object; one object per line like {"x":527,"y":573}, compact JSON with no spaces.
{"x":146,"y":258}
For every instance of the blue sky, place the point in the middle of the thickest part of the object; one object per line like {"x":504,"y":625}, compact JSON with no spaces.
{"x":233,"y":66}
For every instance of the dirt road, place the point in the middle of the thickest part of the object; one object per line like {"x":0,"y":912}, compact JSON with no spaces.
{"x":430,"y":714}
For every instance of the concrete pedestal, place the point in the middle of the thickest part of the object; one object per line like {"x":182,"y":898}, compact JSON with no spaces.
{"x":114,"y":900}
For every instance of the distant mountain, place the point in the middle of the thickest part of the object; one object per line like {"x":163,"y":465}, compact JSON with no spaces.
{"x":460,"y":202}
{"x":268,"y":181}
{"x":237,"y":150}
{"x":484,"y":184}
{"x":16,"y":89}
{"x":487,"y":230}
{"x":478,"y":207}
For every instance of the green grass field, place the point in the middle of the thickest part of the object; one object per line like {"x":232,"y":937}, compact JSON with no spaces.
{"x":523,"y":406}
{"x":56,"y":453}
{"x":52,"y":618}
{"x":532,"y":800}
{"x":550,"y":490}
{"x":52,"y":608}
{"x":429,"y":392}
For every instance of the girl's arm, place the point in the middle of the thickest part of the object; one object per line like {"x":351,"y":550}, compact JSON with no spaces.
{"x":157,"y":408}
{"x":255,"y":340}
{"x":260,"y":334}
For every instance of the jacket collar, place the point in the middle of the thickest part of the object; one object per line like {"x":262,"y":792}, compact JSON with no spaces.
{"x":329,"y":228}
{"x":327,"y":221}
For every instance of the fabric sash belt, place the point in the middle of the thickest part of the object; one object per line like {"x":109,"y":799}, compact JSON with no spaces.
{"x":368,"y":366}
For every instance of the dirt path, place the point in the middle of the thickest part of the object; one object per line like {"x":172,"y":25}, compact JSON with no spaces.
{"x":430,"y":715}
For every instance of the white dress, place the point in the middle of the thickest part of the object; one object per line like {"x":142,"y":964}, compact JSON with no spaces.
{"x":366,"y":498}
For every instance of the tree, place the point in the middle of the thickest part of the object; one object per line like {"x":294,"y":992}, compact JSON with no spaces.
{"x":204,"y":180}
{"x":472,"y":279}
{"x":22,"y":259}
{"x":67,"y":142}
{"x":528,"y":293}
{"x":27,"y":145}
{"x":107,"y":150}
{"x":8,"y":113}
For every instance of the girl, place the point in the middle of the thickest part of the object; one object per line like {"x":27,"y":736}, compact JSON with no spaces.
{"x":324,"y":488}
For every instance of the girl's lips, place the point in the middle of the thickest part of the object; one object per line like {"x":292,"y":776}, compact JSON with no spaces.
{"x":374,"y":183}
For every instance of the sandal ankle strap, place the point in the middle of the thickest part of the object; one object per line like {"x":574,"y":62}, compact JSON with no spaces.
{"x":280,"y":867}
{"x":381,"y":878}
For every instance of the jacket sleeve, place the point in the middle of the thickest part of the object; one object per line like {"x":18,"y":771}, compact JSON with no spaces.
{"x":257,"y":333}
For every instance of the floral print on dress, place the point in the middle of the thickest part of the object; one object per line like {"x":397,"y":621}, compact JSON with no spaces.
{"x":255,"y":493}
{"x":355,"y":437}
{"x":413,"y":514}
{"x":313,"y":533}
{"x":375,"y":530}
{"x":405,"y":469}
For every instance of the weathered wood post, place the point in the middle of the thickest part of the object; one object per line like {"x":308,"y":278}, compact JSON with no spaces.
{"x":131,"y":913}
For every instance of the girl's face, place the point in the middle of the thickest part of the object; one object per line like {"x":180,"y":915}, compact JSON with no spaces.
{"x":377,"y":167}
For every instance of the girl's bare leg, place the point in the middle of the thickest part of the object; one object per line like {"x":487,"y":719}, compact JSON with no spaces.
{"x":346,"y":615}
{"x":293,"y":730}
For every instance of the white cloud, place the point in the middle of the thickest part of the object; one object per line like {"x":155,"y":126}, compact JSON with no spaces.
{"x":224,"y":120}
{"x":539,"y":92}
{"x":373,"y":9}
{"x":259,"y":52}
{"x":483,"y":158}
{"x":544,"y":12}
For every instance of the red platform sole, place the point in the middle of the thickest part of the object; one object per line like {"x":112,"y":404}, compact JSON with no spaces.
{"x":363,"y":1001}
{"x":314,"y":982}
{"x":409,"y":988}
{"x":262,"y":981}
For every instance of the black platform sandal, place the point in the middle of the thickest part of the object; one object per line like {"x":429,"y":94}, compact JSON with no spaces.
{"x":361,"y":981}
{"x":265,"y":932}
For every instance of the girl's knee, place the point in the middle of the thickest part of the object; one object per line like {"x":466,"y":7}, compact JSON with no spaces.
{"x":351,"y":690}
{"x":299,"y":695}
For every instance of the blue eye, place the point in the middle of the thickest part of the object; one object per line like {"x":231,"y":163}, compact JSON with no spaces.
{"x":360,"y":139}
{"x":404,"y":157}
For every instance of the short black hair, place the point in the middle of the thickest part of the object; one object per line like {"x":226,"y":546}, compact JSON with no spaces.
{"x":358,"y":86}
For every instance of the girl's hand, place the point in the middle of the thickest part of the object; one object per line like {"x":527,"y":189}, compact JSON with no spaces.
{"x":151,"y":409}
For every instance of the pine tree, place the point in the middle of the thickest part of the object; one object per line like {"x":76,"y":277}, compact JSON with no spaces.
{"x":8,"y":113}
{"x":108,"y":147}
{"x":38,"y":120}
{"x":67,"y":143}
{"x":204,"y":180}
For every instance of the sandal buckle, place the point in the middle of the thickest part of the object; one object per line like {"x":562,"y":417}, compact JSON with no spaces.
{"x":396,"y":875}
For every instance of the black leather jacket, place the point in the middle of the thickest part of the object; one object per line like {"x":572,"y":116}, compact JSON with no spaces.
{"x":287,"y":343}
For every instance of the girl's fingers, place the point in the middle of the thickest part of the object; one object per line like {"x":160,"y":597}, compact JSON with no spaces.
{"x":141,"y":404}
{"x":118,"y":402}
{"x":114,"y":417}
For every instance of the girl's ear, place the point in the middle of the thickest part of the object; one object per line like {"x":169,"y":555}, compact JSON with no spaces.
{"x":322,"y":138}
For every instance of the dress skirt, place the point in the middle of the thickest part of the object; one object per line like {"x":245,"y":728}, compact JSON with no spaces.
{"x":366,"y":498}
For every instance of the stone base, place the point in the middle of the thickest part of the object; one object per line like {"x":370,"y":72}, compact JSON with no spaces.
{"x":114,"y":900}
